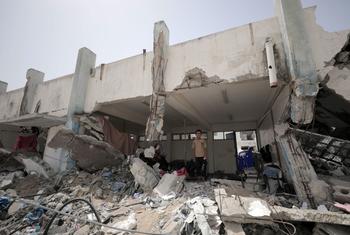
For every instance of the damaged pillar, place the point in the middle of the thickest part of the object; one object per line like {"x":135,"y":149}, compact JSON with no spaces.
{"x":58,"y":158}
{"x":3,"y":87}
{"x":160,"y":58}
{"x":300,"y":60}
{"x":84,"y":69}
{"x":34,"y":78}
{"x":305,"y":181}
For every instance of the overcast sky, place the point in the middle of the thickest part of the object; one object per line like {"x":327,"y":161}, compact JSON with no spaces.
{"x":46,"y":34}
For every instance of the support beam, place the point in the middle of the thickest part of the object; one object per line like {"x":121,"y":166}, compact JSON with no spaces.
{"x":160,"y":59}
{"x":34,"y":78}
{"x":183,"y":106}
{"x":300,"y":59}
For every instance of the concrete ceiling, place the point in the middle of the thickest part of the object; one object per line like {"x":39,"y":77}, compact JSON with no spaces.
{"x":234,"y":102}
{"x":217,"y":104}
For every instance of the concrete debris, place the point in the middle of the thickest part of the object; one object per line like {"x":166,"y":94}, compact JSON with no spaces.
{"x":34,"y":164}
{"x":169,"y":183}
{"x":200,"y":216}
{"x":330,"y":229}
{"x":236,"y":209}
{"x":129,"y":194}
{"x":149,"y":152}
{"x":131,"y":208}
{"x":8,"y":163}
{"x":129,"y":223}
{"x":6,"y":180}
{"x":144,"y":175}
{"x":233,"y":228}
{"x":92,"y":127}
{"x":197,"y":77}
{"x":328,"y":154}
{"x":89,"y":153}
{"x":303,"y":176}
{"x":310,"y":216}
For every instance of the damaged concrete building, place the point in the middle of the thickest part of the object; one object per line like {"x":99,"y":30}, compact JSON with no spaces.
{"x":283,"y":82}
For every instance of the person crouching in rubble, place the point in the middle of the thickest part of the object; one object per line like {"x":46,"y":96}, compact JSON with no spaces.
{"x":199,"y":147}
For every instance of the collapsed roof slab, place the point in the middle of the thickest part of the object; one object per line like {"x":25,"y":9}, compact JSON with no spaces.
{"x":34,"y":119}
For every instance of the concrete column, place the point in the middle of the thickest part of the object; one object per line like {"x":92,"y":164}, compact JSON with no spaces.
{"x":3,"y":87}
{"x":168,"y":150}
{"x":83,"y":71}
{"x":34,"y":78}
{"x":154,"y":126}
{"x":300,"y":60}
{"x":211,"y":157}
{"x":59,"y":158}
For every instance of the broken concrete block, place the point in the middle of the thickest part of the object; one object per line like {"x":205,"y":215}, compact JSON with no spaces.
{"x":15,"y":207}
{"x":7,"y":180}
{"x":144,"y":175}
{"x":169,"y":183}
{"x":8,"y":163}
{"x":128,"y":223}
{"x":83,"y":230}
{"x":197,"y":77}
{"x":233,"y":228}
{"x":320,"y":191}
{"x":89,"y":153}
{"x":35,"y":164}
{"x":235,"y":208}
{"x":205,"y":213}
{"x":242,"y":209}
{"x":330,"y":229}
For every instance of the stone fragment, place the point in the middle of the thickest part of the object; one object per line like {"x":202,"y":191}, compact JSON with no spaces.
{"x":144,"y":175}
{"x":90,"y":154}
{"x":169,"y":183}
{"x":35,"y":164}
{"x":7,"y":181}
{"x":83,"y":230}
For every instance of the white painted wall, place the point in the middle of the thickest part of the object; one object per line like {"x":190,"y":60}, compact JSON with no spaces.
{"x":10,"y":103}
{"x":54,"y":95}
{"x":233,"y":54}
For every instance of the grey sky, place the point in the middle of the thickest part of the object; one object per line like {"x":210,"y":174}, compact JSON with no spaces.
{"x":46,"y":34}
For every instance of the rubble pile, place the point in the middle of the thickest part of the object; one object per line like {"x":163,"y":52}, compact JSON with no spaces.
{"x":107,"y":185}
{"x":167,"y":205}
{"x":110,"y":192}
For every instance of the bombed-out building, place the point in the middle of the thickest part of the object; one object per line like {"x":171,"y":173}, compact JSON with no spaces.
{"x":282,"y":82}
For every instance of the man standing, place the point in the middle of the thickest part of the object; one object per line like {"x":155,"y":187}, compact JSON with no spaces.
{"x":199,"y":147}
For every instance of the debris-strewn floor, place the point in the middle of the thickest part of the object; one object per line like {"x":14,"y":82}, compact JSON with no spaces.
{"x":133,"y":198}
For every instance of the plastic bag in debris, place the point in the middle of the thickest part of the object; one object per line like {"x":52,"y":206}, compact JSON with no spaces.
{"x":34,"y":216}
{"x":4,"y":203}
{"x":117,"y":186}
